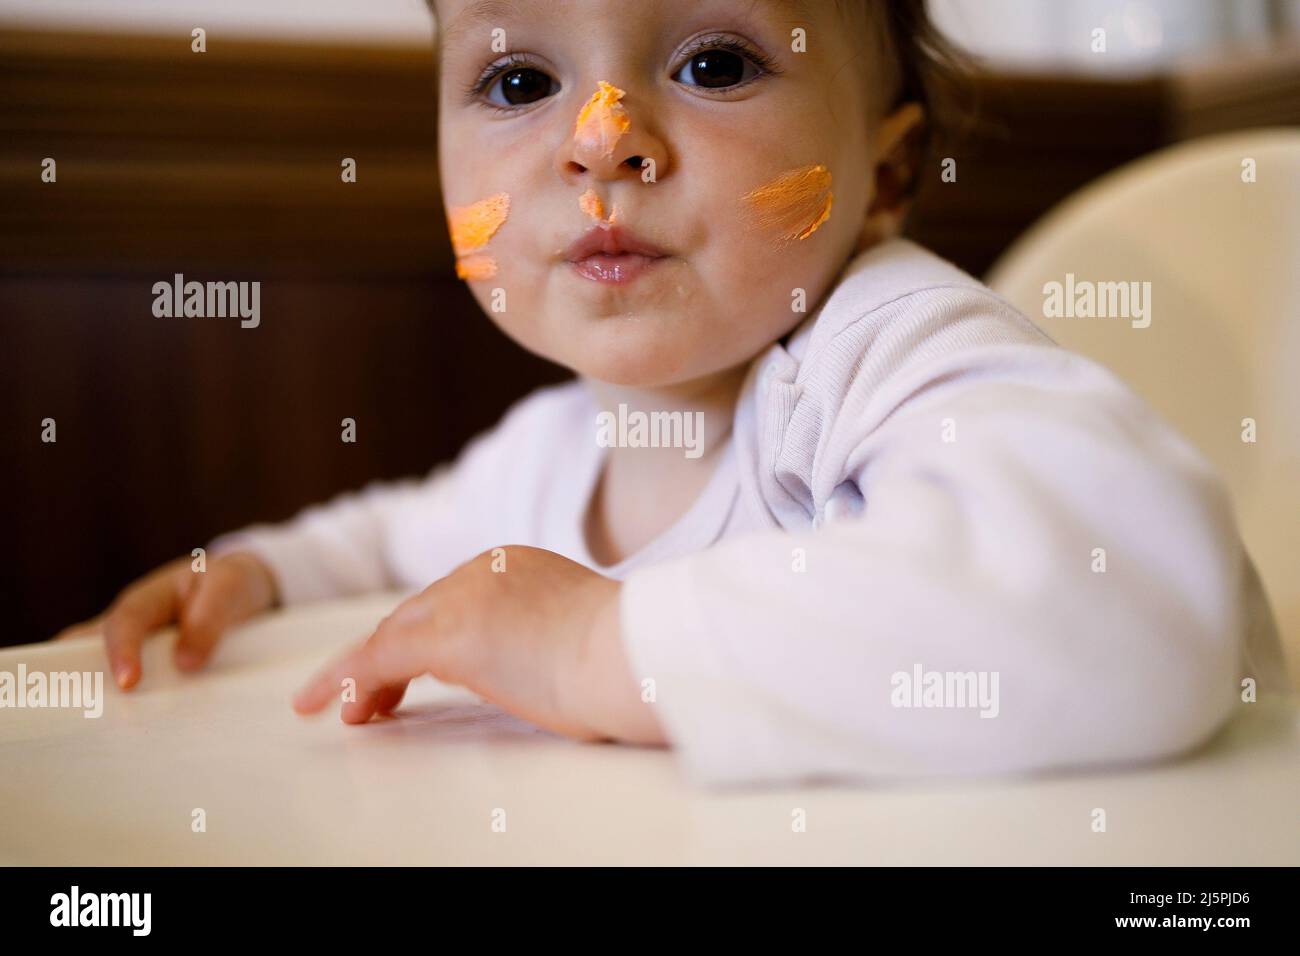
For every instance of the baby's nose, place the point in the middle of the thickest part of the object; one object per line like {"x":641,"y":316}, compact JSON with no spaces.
{"x":607,"y":143}
{"x":606,"y":169}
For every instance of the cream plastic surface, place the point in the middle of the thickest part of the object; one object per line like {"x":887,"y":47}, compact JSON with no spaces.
{"x":428,"y":786}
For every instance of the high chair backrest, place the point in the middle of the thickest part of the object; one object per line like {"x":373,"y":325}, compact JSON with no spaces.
{"x":1191,"y":259}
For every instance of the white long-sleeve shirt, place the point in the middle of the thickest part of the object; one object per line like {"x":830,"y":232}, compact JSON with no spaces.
{"x":935,"y":544}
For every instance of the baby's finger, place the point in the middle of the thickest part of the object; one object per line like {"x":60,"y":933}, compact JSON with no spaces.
{"x":392,"y":655}
{"x":327,"y":682}
{"x":213,"y":603}
{"x":381,"y":701}
{"x":92,"y":626}
{"x":388,"y":699}
{"x":143,"y":609}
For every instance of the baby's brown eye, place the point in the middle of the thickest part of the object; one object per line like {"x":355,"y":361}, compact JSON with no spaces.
{"x":715,"y":69}
{"x":521,"y":87}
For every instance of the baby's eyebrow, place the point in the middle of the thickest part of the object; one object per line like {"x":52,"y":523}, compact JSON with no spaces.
{"x":493,"y":12}
{"x":795,"y":10}
{"x":799,"y":7}
{"x":485,"y":13}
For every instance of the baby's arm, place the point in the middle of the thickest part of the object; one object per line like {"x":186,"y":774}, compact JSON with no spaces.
{"x":345,"y":546}
{"x":405,"y":534}
{"x":1063,"y":540}
{"x":337,"y":548}
{"x":400,"y":534}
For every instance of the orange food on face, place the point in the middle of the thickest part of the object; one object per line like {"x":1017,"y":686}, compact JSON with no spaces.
{"x":793,"y":205}
{"x":471,"y":228}
{"x":602,"y":121}
{"x":477,"y":265}
{"x":590,"y":204}
{"x":473,"y":225}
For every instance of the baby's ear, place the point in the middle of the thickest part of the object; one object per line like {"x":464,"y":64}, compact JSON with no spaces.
{"x":897,"y":149}
{"x":899,"y":141}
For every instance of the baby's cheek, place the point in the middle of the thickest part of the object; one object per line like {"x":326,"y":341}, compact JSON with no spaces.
{"x":778,"y":280}
{"x":514,"y":300}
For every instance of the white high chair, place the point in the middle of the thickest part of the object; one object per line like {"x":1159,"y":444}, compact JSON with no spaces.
{"x":1222,"y":255}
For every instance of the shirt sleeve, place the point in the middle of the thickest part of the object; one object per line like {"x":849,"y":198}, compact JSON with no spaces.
{"x":1040,"y":575}
{"x":343,"y":547}
{"x":405,"y":534}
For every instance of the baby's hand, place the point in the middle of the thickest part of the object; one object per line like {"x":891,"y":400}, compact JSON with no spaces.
{"x":232,"y":588}
{"x":538,"y":635}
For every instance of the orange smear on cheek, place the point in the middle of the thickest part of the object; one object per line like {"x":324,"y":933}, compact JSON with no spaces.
{"x":602,"y":121}
{"x":794,"y":204}
{"x":471,"y":228}
{"x":479,"y":265}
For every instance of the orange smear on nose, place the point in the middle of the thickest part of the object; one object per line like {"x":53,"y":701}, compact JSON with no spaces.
{"x":479,"y":265}
{"x":602,"y":121}
{"x":471,"y":228}
{"x":794,"y":204}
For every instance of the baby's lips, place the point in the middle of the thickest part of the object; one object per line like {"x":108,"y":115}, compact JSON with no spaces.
{"x":611,"y":241}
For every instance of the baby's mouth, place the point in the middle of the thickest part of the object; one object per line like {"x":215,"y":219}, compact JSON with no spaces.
{"x":612,"y":255}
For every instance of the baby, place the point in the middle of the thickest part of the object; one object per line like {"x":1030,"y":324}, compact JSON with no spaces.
{"x":817,"y":503}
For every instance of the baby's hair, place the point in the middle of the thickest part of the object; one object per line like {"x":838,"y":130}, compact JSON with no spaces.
{"x":920,"y":64}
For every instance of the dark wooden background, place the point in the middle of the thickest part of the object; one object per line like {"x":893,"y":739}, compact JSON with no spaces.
{"x":225,"y":166}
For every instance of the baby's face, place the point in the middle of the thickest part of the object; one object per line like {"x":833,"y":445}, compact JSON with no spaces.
{"x":638,"y":191}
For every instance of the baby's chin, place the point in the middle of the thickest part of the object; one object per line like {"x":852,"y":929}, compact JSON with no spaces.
{"x":640,"y":350}
{"x":634,"y":367}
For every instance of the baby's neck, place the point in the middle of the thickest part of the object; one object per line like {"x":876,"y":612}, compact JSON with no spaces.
{"x":642,"y":488}
{"x":709,"y":401}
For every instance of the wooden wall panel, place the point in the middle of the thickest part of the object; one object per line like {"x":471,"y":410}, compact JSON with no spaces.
{"x":229,"y":158}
